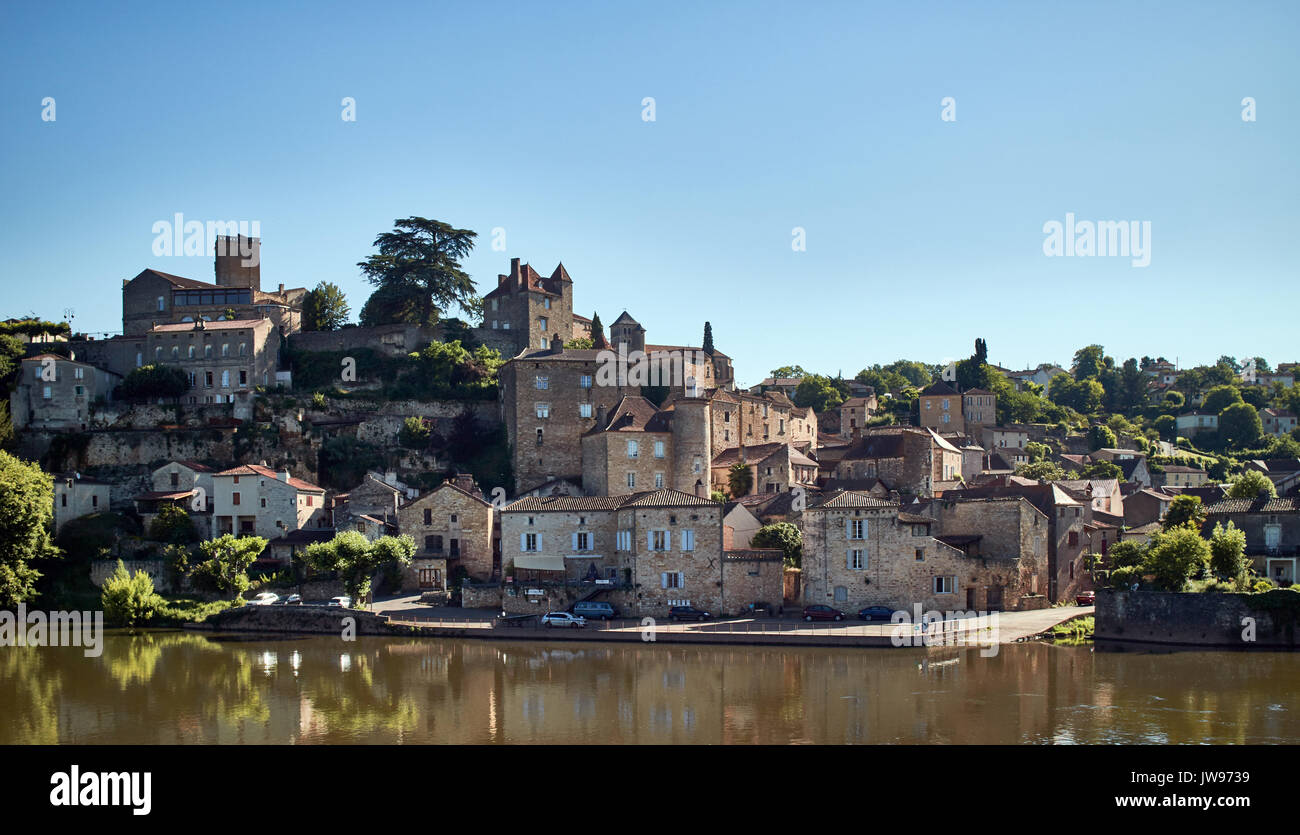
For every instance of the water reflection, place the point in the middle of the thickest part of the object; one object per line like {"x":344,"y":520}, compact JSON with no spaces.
{"x":174,"y":687}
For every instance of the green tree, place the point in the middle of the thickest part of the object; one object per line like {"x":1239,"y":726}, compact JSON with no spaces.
{"x":1167,"y":425}
{"x":598,"y":333}
{"x":740,"y":478}
{"x":786,"y":371}
{"x":226,"y":563}
{"x":324,"y":308}
{"x":1089,"y":363}
{"x":26,"y":512}
{"x":1228,"y":551}
{"x":1041,"y":470}
{"x":173,"y":525}
{"x":419,"y":264}
{"x":579,"y":344}
{"x":1037,"y":452}
{"x":781,"y":535}
{"x":1219,"y":398}
{"x":1083,"y":396}
{"x":707,"y":347}
{"x":150,"y":382}
{"x":1250,"y":484}
{"x":1184,"y":512}
{"x":1102,"y":470}
{"x":1174,"y":400}
{"x":1125,"y":554}
{"x":1175,"y":556}
{"x":129,"y":599}
{"x":822,"y":393}
{"x":356,"y":560}
{"x":415,"y":433}
{"x":1240,"y":426}
{"x":1100,"y":436}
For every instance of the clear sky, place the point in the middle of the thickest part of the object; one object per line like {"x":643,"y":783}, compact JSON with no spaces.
{"x":921,"y":234}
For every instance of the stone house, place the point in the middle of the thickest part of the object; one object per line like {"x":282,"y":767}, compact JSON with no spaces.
{"x":223,"y":359}
{"x":454,"y":524}
{"x":738,"y":417}
{"x":76,"y":496}
{"x":255,"y":500}
{"x":861,"y":551}
{"x":752,"y":575}
{"x":855,"y":412}
{"x":915,"y":461}
{"x":940,"y":408}
{"x":183,"y":484}
{"x":1005,"y":436}
{"x":1145,"y":506}
{"x":637,"y":447}
{"x":154,"y":297}
{"x":979,"y":408}
{"x":377,"y":495}
{"x":55,"y":392}
{"x":1272,"y":528}
{"x":526,"y":311}
{"x":738,"y":526}
{"x":774,"y":468}
{"x":1177,"y":475}
{"x":663,"y":545}
{"x":1194,"y":423}
{"x":1277,"y":422}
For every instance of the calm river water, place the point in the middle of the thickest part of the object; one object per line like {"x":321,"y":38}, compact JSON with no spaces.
{"x":174,"y":687}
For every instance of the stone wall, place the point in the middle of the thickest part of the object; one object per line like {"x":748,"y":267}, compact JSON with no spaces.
{"x":1202,"y":620}
{"x":300,"y":619}
{"x":752,"y":575}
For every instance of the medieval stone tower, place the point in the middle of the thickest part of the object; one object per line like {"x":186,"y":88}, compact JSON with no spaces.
{"x":238,"y":262}
{"x":692,"y":440}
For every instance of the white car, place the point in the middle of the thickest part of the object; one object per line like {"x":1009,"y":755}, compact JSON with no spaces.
{"x":342,"y":601}
{"x":266,"y":598}
{"x":563,"y":619}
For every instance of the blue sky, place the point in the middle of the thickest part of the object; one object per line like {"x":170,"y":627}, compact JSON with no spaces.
{"x":921,"y":234}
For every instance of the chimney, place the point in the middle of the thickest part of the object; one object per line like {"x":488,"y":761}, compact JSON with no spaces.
{"x":516,"y":273}
{"x":283,"y":475}
{"x":557,"y":344}
{"x":390,"y":478}
{"x":600,"y":417}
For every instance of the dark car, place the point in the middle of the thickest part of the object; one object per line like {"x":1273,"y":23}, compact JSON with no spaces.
{"x":820,"y":612}
{"x":687,"y":613}
{"x":875,"y":613}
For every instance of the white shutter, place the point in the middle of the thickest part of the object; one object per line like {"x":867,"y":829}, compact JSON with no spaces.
{"x":848,"y":558}
{"x":539,"y":540}
{"x":663,"y":580}
{"x":848,"y":528}
{"x":681,"y":580}
{"x":523,"y":542}
{"x":668,"y":540}
{"x":575,"y":542}
{"x":650,"y":541}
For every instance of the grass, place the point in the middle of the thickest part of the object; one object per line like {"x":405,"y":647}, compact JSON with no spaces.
{"x":180,"y":609}
{"x":1074,"y":632}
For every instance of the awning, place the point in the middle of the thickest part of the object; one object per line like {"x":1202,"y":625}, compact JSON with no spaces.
{"x":540,"y":563}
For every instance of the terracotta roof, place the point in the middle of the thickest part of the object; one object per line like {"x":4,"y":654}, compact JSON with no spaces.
{"x":215,"y":325}
{"x":179,"y":281}
{"x":159,"y":495}
{"x":533,"y":281}
{"x":852,"y":498}
{"x":267,"y":472}
{"x":754,"y":453}
{"x":635,"y":413}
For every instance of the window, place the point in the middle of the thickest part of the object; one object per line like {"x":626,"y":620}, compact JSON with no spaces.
{"x":582,"y":541}
{"x":697,"y":464}
{"x":584,"y":381}
{"x":543,"y":410}
{"x":454,"y":548}
{"x":631,"y":481}
{"x":688,"y":540}
{"x":47,"y":392}
{"x":1074,"y":537}
{"x":162,"y":304}
{"x":542,"y":322}
{"x":494,"y":322}
{"x":78,"y":374}
{"x":946,"y":418}
{"x":243,"y":378}
{"x":945,"y":585}
{"x":494,"y":304}
{"x":79,"y":390}
{"x":841,"y":594}
{"x":672,"y":580}
{"x":659,"y":449}
{"x":175,"y":479}
{"x":546,"y":303}
{"x":623,"y":541}
{"x":857,"y":529}
{"x":539,"y":436}
{"x":433,"y":544}
{"x":234,"y":498}
{"x":530,"y":542}
{"x":658,"y":540}
{"x":920,"y":555}
{"x":633,"y":449}
{"x":857,"y":559}
{"x":584,"y":410}
{"x":428,"y":516}
{"x":225,"y":379}
{"x":542,"y":382}
{"x":225,"y":349}
{"x":659,"y":481}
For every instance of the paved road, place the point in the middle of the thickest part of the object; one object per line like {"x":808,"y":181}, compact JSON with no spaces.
{"x":1010,"y":626}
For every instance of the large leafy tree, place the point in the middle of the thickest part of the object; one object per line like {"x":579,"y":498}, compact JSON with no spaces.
{"x":1228,"y":551}
{"x":149,"y":382}
{"x":1240,"y":425}
{"x":1220,"y":397}
{"x":740,"y":478}
{"x":26,"y":509}
{"x":1175,"y":556}
{"x":1089,"y":362}
{"x":1250,"y":484}
{"x":418,"y":267}
{"x":781,"y":535}
{"x":1184,"y":512}
{"x":226,"y":562}
{"x":822,"y":393}
{"x":325,"y":308}
{"x":358,"y":560}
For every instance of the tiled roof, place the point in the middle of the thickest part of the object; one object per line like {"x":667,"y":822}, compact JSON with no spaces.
{"x":1285,"y":504}
{"x":267,"y":472}
{"x":651,"y":498}
{"x":216,"y":325}
{"x":938,"y":387}
{"x":852,"y":498}
{"x":915,"y":519}
{"x":179,"y":281}
{"x":635,"y":413}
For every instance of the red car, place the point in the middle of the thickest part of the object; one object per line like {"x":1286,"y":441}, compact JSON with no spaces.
{"x":820,"y":612}
{"x":1086,"y":598}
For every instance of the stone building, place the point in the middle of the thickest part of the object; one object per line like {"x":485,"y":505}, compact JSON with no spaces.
{"x":940,"y":408}
{"x":863,"y":551}
{"x":915,"y":461}
{"x":636,"y":447}
{"x":752,"y":575}
{"x":1272,"y":528}
{"x":255,"y":500}
{"x":183,"y":484}
{"x":979,"y":408}
{"x":855,"y":412}
{"x":76,"y":496}
{"x":154,"y":297}
{"x":455,"y":524}
{"x":378,"y":495}
{"x":223,"y":359}
{"x":665,"y":546}
{"x":774,"y":468}
{"x":55,"y":392}
{"x":741,"y":418}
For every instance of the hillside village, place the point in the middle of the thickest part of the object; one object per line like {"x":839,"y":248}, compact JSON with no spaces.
{"x":528,"y":475}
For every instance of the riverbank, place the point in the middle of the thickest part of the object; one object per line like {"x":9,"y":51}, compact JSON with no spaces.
{"x":1010,"y":627}
{"x":1198,"y":620}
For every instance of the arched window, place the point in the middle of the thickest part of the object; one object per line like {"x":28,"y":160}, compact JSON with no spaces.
{"x":176,"y":352}
{"x":243,"y":348}
{"x":225,"y":379}
{"x":191,"y":352}
{"x":157,"y":353}
{"x":225,"y":349}
{"x":207,"y":350}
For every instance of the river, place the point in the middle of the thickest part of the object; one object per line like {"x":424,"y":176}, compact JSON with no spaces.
{"x":167,"y":687}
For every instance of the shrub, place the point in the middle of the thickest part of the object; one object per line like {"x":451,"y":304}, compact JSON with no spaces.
{"x":129,"y":599}
{"x":1126,"y":577}
{"x":173,"y":525}
{"x":1175,"y":557}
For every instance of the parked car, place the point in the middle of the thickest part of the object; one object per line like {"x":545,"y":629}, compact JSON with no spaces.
{"x":688,"y":613}
{"x":291,"y":600}
{"x":341,"y":601}
{"x":820,"y":612}
{"x":265,"y":598}
{"x":1086,"y":598}
{"x":563,"y":619}
{"x":595,"y":609}
{"x":875,"y":613}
